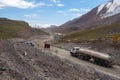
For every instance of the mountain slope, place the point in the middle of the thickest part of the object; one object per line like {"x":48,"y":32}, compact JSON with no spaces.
{"x":13,"y":28}
{"x":105,"y":14}
{"x":103,"y":32}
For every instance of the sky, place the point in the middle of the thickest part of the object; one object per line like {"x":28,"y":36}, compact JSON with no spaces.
{"x":46,"y":12}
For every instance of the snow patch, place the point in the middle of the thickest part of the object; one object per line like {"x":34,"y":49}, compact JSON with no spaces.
{"x":113,"y":8}
{"x":108,"y":5}
{"x":108,"y":14}
{"x":100,"y":8}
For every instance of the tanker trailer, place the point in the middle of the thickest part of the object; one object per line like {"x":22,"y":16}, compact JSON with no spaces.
{"x":97,"y":57}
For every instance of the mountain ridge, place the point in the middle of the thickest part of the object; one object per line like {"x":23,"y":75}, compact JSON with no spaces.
{"x":92,"y":19}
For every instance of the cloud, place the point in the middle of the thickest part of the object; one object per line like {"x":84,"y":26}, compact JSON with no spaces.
{"x":37,"y":24}
{"x":62,"y":13}
{"x":78,"y":14}
{"x":79,"y":10}
{"x":32,"y":15}
{"x":40,"y":4}
{"x":84,"y":9}
{"x":55,"y":1}
{"x":74,"y":9}
{"x":41,"y":25}
{"x":50,"y":5}
{"x":60,"y":5}
{"x":45,"y":25}
{"x":1,"y":7}
{"x":19,"y":4}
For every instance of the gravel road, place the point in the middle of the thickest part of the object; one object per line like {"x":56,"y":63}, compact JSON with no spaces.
{"x":64,"y":54}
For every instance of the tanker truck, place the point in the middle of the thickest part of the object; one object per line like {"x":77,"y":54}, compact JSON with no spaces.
{"x":94,"y":56}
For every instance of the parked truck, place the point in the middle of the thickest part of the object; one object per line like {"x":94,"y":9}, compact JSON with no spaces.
{"x":90,"y":55}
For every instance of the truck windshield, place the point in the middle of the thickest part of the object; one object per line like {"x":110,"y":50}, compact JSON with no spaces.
{"x":73,"y":49}
{"x":76,"y":49}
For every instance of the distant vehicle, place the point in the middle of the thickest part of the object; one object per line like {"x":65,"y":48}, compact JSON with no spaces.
{"x":29,"y":43}
{"x":97,"y":57}
{"x":47,"y":45}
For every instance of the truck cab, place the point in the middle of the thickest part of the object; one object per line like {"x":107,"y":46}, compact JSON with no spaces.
{"x":74,"y":50}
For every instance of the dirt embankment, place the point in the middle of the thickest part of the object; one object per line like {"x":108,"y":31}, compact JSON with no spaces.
{"x":19,"y":61}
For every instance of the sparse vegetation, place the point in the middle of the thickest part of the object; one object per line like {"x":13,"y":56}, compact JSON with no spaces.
{"x":89,"y":34}
{"x":12,"y":29}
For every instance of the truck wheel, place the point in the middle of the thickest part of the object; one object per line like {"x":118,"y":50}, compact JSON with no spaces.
{"x":72,"y":54}
{"x":99,"y":62}
{"x":107,"y":64}
{"x":83,"y":57}
{"x":80,"y":57}
{"x":96,"y":61}
{"x":102,"y":62}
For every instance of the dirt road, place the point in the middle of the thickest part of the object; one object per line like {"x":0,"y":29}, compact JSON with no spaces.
{"x":62,"y":53}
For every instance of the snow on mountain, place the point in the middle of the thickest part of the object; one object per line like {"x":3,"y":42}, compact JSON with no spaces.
{"x":100,"y":8}
{"x":112,"y":8}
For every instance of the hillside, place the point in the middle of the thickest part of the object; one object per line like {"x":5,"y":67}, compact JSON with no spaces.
{"x":14,"y":28}
{"x":104,"y":32}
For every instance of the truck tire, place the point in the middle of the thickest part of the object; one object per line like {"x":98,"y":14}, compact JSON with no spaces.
{"x":107,"y":64}
{"x":84,"y":57}
{"x":97,"y":61}
{"x":72,"y":54}
{"x":101,"y":62}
